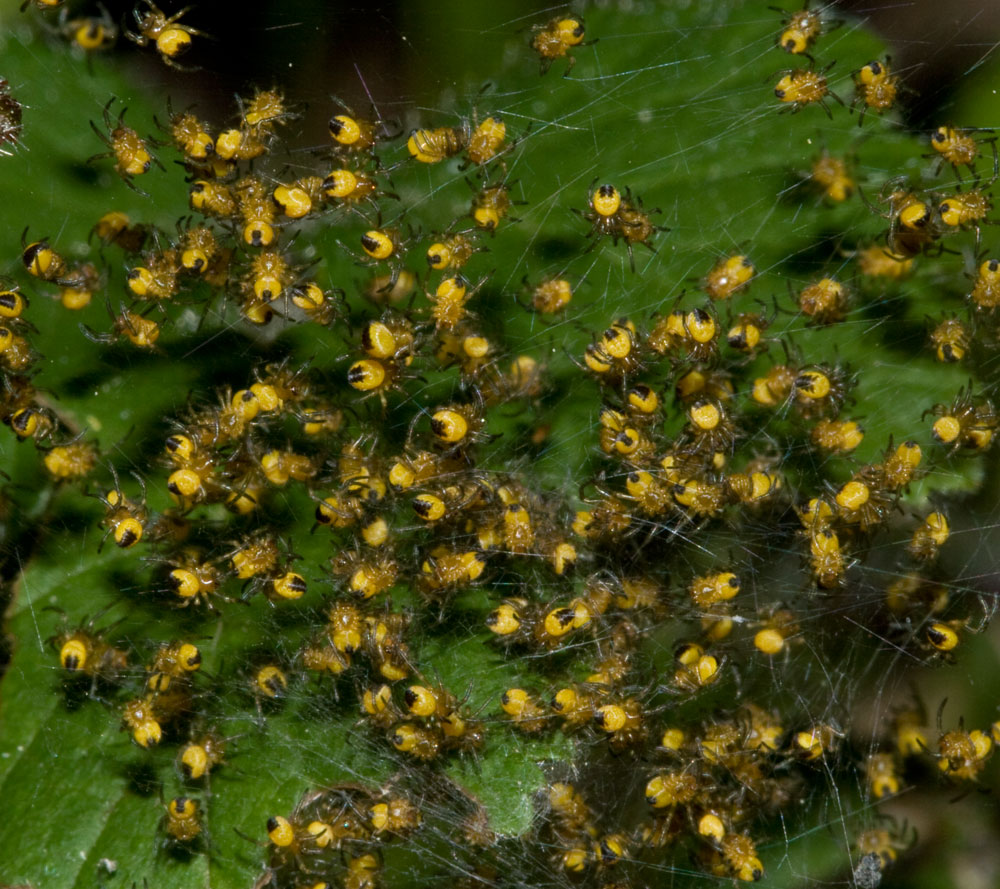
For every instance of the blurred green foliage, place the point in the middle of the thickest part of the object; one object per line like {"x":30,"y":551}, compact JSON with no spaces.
{"x":675,"y":102}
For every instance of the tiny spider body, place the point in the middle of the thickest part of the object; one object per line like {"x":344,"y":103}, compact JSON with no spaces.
{"x":875,"y":88}
{"x":89,"y":33}
{"x":621,"y":218}
{"x":171,"y":38}
{"x":969,"y":423}
{"x":960,"y":148}
{"x":132,"y":155}
{"x":10,"y":118}
{"x":832,"y":178}
{"x":556,"y":39}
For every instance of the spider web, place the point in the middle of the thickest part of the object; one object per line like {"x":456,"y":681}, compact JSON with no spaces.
{"x":676,"y":105}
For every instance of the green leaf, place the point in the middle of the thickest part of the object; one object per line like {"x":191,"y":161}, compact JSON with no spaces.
{"x":677,"y":105}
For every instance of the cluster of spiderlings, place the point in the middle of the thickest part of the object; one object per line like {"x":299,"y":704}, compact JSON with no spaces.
{"x":165,"y":691}
{"x":24,"y":409}
{"x":340,"y":830}
{"x":700,"y":430}
{"x":348,"y":834}
{"x":96,"y":31}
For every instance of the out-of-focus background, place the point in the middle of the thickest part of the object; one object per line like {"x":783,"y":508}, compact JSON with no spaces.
{"x":946,"y":51}
{"x":412,"y":60}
